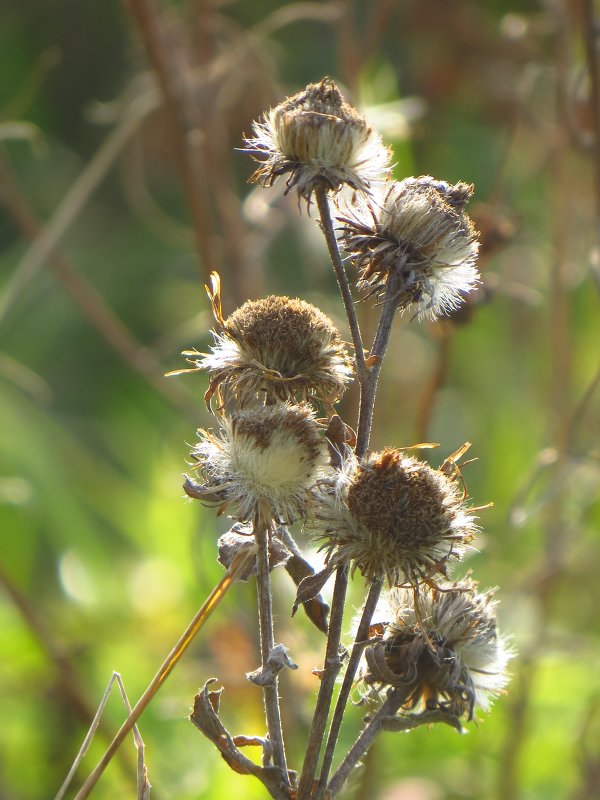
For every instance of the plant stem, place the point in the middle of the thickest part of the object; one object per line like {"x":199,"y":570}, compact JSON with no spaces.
{"x":332,"y":663}
{"x":365,"y":740}
{"x":265,"y":617}
{"x":362,"y":635}
{"x":332,"y":666}
{"x":340,"y":273}
{"x":380,"y":343}
{"x":367,"y":378}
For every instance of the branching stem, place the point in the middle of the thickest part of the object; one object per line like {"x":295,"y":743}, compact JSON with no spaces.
{"x":367,"y":378}
{"x":391,"y":301}
{"x":340,"y":273}
{"x":331,"y":668}
{"x":395,"y":699}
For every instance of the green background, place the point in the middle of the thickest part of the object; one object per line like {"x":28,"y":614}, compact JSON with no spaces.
{"x":102,"y":560}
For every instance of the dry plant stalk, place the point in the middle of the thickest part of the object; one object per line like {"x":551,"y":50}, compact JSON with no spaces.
{"x":426,"y":648}
{"x":435,"y":654}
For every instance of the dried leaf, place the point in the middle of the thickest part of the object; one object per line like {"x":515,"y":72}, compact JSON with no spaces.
{"x":310,"y":587}
{"x":316,"y":609}
{"x":214,"y":698}
{"x":213,"y":290}
{"x":200,"y":492}
{"x":206,"y":720}
{"x":278,"y":659}
{"x":240,"y":538}
{"x":408,"y":722}
{"x":340,"y":439}
{"x":251,"y":741}
{"x":370,"y":361}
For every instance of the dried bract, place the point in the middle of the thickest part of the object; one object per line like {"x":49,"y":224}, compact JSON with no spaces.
{"x":419,"y":230}
{"x":284,"y":349}
{"x":393,"y":516}
{"x":449,"y":656}
{"x":264,"y":459}
{"x":316,"y":137}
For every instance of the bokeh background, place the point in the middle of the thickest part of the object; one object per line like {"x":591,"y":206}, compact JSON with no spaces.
{"x":121,"y":189}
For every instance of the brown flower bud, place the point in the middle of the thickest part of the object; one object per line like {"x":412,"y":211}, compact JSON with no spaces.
{"x":316,"y":137}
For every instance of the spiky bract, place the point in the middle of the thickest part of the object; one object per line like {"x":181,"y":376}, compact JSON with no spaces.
{"x":264,"y":459}
{"x":420,"y":230}
{"x":392,"y":515}
{"x":316,"y":137}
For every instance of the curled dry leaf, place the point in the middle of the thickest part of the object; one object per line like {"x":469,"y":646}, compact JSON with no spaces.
{"x":316,"y":609}
{"x":198,"y":491}
{"x":407,"y":722}
{"x":278,"y":659}
{"x":340,"y":439}
{"x":240,"y":538}
{"x":310,"y":587}
{"x":204,"y":717}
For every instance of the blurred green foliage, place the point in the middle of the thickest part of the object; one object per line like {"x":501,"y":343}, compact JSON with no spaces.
{"x":102,"y":561}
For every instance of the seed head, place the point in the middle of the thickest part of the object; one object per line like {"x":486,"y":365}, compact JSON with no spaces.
{"x":282,"y":348}
{"x":264,"y":459}
{"x":421,"y":231}
{"x":447,"y":656}
{"x":315,"y":136}
{"x":394,"y":516}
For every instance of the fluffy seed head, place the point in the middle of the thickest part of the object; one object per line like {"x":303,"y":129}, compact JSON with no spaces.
{"x":264,"y":459}
{"x":282,"y":348}
{"x":421,"y":231}
{"x":448,"y":656}
{"x":315,"y":136}
{"x":394,"y":516}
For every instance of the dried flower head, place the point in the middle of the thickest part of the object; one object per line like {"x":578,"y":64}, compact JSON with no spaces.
{"x":264,"y":459}
{"x":421,"y":231}
{"x":283,"y":348}
{"x":394,"y":516}
{"x":315,"y":136}
{"x":447,"y":656}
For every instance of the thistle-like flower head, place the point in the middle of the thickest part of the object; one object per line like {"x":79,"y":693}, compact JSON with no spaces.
{"x":447,"y":656}
{"x":264,"y":459}
{"x":420,"y":230}
{"x":281,"y":348}
{"x":392,"y":515}
{"x":315,"y":136}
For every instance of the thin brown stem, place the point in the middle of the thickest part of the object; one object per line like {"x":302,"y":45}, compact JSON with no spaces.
{"x":380,"y":343}
{"x":265,"y":618}
{"x":366,"y":738}
{"x":331,"y":668}
{"x":367,"y":376}
{"x":340,"y":273}
{"x":209,"y":605}
{"x":362,"y":635}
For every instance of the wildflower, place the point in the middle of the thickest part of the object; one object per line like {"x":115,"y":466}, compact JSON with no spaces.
{"x":277,"y":346}
{"x":421,"y":232}
{"x":316,"y":137}
{"x":264,"y":459}
{"x":394,"y":516}
{"x":448,"y":656}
